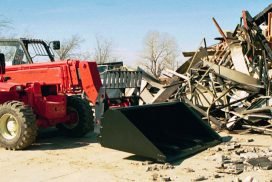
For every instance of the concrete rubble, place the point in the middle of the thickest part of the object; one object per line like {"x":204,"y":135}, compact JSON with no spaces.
{"x":240,"y":158}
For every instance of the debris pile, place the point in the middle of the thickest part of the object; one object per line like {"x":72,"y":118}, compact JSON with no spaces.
{"x":229,"y":83}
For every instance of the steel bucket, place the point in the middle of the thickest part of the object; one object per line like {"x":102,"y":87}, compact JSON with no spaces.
{"x":163,"y":132}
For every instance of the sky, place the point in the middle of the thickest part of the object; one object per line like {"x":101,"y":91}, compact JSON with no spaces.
{"x":125,"y":22}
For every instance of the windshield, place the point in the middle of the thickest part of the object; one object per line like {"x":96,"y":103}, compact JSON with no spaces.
{"x":14,"y":53}
{"x":38,"y":52}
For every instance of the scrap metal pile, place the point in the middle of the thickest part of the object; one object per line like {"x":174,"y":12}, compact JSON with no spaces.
{"x":229,"y":83}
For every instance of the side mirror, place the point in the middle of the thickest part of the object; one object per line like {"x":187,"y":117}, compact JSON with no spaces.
{"x":56,"y":45}
{"x":2,"y":64}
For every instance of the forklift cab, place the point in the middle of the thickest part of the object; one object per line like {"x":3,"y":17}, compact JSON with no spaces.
{"x":27,"y":51}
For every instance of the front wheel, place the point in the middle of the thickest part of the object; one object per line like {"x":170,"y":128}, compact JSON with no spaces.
{"x":85,"y":119}
{"x":18,"y":127}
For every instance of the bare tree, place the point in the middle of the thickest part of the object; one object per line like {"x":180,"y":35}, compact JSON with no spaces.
{"x":160,"y":52}
{"x":85,"y":55}
{"x":68,"y":48}
{"x":103,"y":50}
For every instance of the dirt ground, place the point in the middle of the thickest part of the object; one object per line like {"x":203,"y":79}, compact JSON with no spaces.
{"x":58,"y":158}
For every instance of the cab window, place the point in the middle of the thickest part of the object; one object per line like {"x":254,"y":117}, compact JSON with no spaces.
{"x":14,"y":53}
{"x":38,"y":53}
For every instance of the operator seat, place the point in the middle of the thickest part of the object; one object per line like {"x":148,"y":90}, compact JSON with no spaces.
{"x":18,"y":57}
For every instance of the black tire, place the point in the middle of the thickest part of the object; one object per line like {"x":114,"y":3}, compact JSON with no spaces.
{"x":85,"y":122}
{"x":18,"y":128}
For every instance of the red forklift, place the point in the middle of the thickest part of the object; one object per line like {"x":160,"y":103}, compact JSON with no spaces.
{"x":43,"y":94}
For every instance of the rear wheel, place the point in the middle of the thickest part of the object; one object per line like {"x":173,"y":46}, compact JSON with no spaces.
{"x":18,"y":127}
{"x":84,"y":117}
